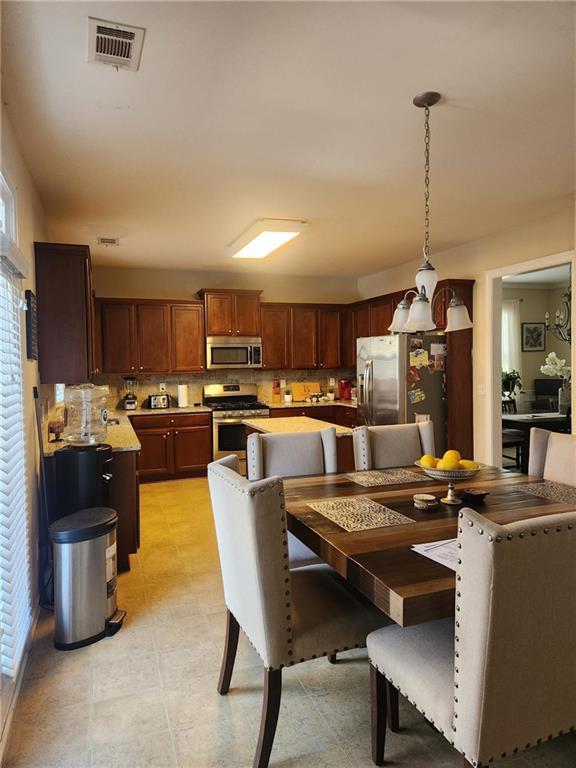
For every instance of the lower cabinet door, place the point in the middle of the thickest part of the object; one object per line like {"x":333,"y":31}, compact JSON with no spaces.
{"x":192,"y":449}
{"x":157,"y":452}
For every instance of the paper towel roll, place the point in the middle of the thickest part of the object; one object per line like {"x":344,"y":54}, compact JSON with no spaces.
{"x":182,"y":395}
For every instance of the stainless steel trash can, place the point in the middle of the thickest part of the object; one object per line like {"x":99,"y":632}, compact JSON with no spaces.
{"x":85,"y":577}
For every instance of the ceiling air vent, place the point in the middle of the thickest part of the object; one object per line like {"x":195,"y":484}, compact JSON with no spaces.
{"x":108,"y":241}
{"x":117,"y":44}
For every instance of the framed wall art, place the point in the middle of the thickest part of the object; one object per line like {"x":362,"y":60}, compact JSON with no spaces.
{"x":533,"y":337}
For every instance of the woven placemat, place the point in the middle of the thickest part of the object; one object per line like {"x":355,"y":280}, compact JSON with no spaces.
{"x":358,"y":513}
{"x":373,"y":477}
{"x":553,"y":491}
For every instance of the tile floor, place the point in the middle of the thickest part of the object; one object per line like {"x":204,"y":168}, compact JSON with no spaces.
{"x":146,"y":698}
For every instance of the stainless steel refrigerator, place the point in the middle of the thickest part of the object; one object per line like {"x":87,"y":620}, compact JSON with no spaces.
{"x":401,"y":378}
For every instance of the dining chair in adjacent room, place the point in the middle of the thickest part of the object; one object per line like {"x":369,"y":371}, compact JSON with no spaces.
{"x":512,"y":438}
{"x":290,"y":455}
{"x":552,"y":456}
{"x":392,"y":445}
{"x":289,"y":616}
{"x":501,"y":676}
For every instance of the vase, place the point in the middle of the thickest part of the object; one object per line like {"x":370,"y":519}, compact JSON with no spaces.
{"x":564,"y":397}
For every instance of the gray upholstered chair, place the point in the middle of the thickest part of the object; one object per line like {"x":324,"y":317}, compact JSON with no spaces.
{"x":290,"y":455}
{"x":501,"y":677}
{"x":289,"y":616}
{"x":393,"y":445}
{"x":552,"y":456}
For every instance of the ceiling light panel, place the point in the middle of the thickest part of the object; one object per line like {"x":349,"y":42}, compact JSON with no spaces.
{"x":265,"y":236}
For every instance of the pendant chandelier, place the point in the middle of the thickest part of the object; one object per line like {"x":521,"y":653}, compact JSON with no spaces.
{"x":561,"y":328}
{"x":417,"y":316}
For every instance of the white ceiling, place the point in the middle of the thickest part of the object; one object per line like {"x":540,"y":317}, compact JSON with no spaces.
{"x":541,"y":278}
{"x":292,"y":110}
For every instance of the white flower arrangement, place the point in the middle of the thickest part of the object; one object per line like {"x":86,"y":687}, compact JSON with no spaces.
{"x":556,"y":367}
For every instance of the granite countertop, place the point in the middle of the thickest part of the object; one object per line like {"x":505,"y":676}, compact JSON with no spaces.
{"x":164,"y":411}
{"x":293,"y":424}
{"x":120,"y":436}
{"x":304,"y":404}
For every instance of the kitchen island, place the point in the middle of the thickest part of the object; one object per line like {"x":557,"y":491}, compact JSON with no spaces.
{"x":291,"y":425}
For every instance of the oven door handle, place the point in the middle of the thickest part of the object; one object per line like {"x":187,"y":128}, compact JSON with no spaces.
{"x":249,"y":355}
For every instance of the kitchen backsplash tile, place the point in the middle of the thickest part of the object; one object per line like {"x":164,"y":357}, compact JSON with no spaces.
{"x":150,"y":384}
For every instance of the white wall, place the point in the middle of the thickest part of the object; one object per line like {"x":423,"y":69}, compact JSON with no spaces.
{"x":535,"y":239}
{"x":31,"y":226}
{"x":114,"y":282}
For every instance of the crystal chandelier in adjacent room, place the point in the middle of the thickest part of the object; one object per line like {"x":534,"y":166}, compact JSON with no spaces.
{"x":417,"y":316}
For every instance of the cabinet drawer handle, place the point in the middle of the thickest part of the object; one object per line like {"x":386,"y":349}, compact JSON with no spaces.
{"x":141,"y":367}
{"x":176,"y":432}
{"x":165,"y":435}
{"x":132,"y":368}
{"x":171,"y":421}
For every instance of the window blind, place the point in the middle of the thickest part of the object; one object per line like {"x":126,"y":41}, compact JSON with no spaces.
{"x":15,"y":587}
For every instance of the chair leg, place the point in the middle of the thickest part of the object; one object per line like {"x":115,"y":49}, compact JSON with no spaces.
{"x":393,"y":708}
{"x":378,"y":705}
{"x":270,"y":709}
{"x":230,"y":648}
{"x":332,"y":658}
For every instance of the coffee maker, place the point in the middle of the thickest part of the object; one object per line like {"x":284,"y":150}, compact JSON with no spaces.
{"x":344,"y":389}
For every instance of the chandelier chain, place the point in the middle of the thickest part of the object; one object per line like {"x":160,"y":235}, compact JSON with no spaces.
{"x":427,"y":183}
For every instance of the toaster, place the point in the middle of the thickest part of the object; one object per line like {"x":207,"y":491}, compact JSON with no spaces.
{"x":158,"y":401}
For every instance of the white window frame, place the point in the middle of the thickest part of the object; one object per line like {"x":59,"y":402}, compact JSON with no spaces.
{"x":9,"y":201}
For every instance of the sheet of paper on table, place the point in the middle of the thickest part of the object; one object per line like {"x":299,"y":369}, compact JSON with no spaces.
{"x":444,"y":552}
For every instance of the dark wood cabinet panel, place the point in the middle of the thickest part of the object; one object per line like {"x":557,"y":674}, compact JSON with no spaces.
{"x":381,"y":313}
{"x":355,"y":325}
{"x":322,"y":412}
{"x":219,"y":314}
{"x":303,"y":337}
{"x":187,"y":332}
{"x":118,"y":330}
{"x":65,"y":313}
{"x":275,"y":322}
{"x":345,"y":416}
{"x":125,"y":499}
{"x":156,"y":454}
{"x":328,"y":338}
{"x":361,"y":322}
{"x":192,"y":449}
{"x":153,"y":337}
{"x":246,"y":314}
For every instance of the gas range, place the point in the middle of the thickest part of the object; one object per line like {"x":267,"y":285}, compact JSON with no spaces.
{"x":234,"y":401}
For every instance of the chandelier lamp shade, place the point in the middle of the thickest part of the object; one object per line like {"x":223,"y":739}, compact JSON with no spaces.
{"x":416,"y":316}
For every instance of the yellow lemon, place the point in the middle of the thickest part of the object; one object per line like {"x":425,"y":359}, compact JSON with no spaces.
{"x":452,"y":456}
{"x":448,"y":464}
{"x":428,"y":461}
{"x":468,"y":464}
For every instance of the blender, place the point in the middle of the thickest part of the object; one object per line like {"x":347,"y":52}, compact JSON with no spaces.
{"x":130,"y":400}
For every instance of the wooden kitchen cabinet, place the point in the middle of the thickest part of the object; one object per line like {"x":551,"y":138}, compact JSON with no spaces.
{"x":153,"y":337}
{"x":125,"y":499}
{"x":173,"y":445}
{"x":187,"y":332}
{"x":322,"y":412}
{"x":275,"y":322}
{"x":66,"y":350}
{"x":355,"y":325}
{"x":118,"y":336}
{"x":328,"y":338}
{"x":231,"y":313}
{"x":303,"y":337}
{"x":381,"y":313}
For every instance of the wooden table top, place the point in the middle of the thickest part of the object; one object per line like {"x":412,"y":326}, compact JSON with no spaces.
{"x":379,"y":562}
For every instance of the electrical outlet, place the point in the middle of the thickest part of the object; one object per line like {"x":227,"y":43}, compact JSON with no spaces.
{"x":481,"y":390}
{"x":282,"y":383}
{"x":332,"y":382}
{"x":162,"y":387}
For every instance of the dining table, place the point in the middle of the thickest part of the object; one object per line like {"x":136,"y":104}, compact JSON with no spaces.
{"x":554,"y":422}
{"x":379,"y":562}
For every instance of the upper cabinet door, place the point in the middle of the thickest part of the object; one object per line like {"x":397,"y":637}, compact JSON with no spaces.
{"x":219,"y":314}
{"x":118,"y":328}
{"x":187,"y":330}
{"x":303,"y":337}
{"x":361,"y":323}
{"x":246,"y":314}
{"x":328,"y":338}
{"x":153,"y":323}
{"x":275,"y":337}
{"x":381,"y":313}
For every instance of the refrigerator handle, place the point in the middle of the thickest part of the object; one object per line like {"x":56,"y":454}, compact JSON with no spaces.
{"x":369,"y":391}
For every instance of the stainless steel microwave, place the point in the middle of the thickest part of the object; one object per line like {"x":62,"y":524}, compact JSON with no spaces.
{"x":233,"y":352}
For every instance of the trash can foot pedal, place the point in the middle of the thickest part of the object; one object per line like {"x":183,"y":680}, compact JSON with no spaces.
{"x":114,"y":623}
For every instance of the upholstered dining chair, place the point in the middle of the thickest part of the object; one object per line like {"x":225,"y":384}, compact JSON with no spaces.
{"x":552,"y":456}
{"x":289,"y":616}
{"x":501,"y":677}
{"x":290,"y":455}
{"x":392,"y":445}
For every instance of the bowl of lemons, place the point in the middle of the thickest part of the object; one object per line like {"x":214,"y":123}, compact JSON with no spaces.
{"x":451,"y":467}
